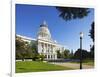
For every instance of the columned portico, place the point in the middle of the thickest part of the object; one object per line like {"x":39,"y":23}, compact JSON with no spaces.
{"x":47,"y":49}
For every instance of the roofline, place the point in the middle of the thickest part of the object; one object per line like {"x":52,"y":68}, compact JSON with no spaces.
{"x":25,"y":37}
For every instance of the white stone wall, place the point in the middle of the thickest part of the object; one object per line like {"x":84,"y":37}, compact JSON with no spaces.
{"x":48,"y":49}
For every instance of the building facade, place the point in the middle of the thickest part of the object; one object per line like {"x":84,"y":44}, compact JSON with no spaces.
{"x":45,"y":44}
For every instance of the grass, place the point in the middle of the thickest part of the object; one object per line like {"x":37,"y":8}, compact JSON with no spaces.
{"x":34,"y":66}
{"x":88,"y":62}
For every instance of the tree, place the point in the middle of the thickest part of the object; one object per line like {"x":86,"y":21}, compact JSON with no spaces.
{"x":29,"y":53}
{"x":34,"y":47}
{"x":23,"y":49}
{"x":71,"y":54}
{"x":58,"y":54}
{"x":69,"y":13}
{"x":85,"y":54}
{"x":18,"y":55}
{"x":41,"y":57}
{"x":34,"y":50}
{"x":92,"y":52}
{"x":19,"y":43}
{"x":92,"y":32}
{"x":20,"y":48}
{"x":93,"y":39}
{"x":65,"y":54}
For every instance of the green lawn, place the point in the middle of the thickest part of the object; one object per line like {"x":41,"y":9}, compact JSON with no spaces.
{"x":88,"y":62}
{"x":35,"y":66}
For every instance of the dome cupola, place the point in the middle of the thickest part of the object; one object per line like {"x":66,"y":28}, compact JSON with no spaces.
{"x":44,"y":24}
{"x":44,"y":32}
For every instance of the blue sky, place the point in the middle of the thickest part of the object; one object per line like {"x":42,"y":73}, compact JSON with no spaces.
{"x":29,"y":18}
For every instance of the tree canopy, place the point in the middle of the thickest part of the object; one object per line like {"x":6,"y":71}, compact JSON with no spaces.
{"x":69,"y":13}
{"x":59,"y":55}
{"x":93,"y":39}
{"x":85,"y":54}
{"x":27,"y":50}
{"x":92,"y":31}
{"x":65,"y":54}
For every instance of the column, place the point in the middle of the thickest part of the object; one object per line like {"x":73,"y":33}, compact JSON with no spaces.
{"x":44,"y":48}
{"x":48,"y":52}
{"x":51,"y":51}
{"x":39,"y":47}
{"x":47,"y":56}
{"x":55,"y":56}
{"x":50,"y":56}
{"x":52,"y":48}
{"x":48,"y":49}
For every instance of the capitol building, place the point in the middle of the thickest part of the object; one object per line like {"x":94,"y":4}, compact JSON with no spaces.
{"x":45,"y":44}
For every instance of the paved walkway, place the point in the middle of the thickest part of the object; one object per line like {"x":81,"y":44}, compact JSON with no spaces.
{"x":74,"y":65}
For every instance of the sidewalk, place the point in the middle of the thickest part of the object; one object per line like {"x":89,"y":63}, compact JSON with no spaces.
{"x":74,"y":65}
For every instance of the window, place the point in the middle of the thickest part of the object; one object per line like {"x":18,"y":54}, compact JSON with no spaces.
{"x":48,"y":56}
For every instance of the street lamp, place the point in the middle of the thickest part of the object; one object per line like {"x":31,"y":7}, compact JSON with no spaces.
{"x":81,"y":37}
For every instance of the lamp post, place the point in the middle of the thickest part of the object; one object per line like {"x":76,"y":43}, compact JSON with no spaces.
{"x":81,"y":37}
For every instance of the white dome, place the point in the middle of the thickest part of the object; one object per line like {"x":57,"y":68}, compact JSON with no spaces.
{"x":44,"y":32}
